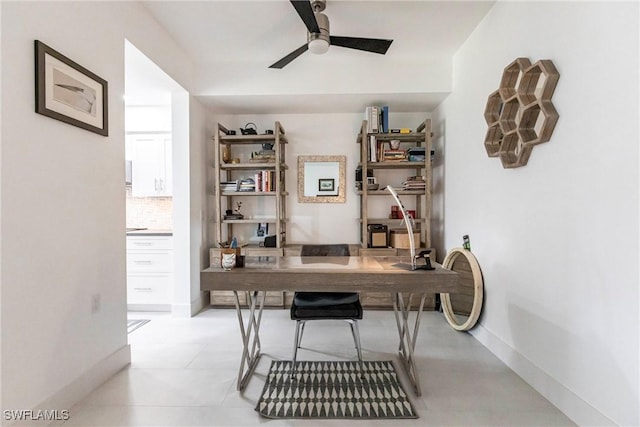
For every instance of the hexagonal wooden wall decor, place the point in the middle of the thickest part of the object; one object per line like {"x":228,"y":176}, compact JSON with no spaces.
{"x":519,"y":114}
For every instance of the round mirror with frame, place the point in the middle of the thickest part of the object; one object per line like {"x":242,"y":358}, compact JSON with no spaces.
{"x":462,"y":310}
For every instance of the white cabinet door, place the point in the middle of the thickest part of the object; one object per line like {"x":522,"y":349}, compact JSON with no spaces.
{"x":151,"y":164}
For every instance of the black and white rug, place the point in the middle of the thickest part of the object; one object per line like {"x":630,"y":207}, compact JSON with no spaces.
{"x":133,"y":324}
{"x":333,"y":389}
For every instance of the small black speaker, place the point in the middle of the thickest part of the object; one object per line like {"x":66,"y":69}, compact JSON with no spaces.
{"x":377,"y":236}
{"x":270,"y":242}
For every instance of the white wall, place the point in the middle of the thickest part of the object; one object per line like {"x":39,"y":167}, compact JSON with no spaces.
{"x":63,"y":203}
{"x":557,"y":240}
{"x":319,"y":134}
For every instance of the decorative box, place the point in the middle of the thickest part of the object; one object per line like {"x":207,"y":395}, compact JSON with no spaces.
{"x":399,"y":238}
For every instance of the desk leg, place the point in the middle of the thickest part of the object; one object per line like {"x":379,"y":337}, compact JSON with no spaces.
{"x":250,"y":336}
{"x":408,"y":340}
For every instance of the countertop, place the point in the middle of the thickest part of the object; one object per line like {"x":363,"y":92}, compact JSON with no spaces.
{"x":148,"y":232}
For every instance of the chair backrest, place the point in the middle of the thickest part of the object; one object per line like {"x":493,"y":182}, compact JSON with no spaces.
{"x":325,"y":250}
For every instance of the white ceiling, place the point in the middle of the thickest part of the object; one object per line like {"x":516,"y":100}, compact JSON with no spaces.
{"x":232,"y":43}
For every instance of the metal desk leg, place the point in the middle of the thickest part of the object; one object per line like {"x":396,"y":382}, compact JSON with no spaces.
{"x":408,"y":339}
{"x":250,"y":336}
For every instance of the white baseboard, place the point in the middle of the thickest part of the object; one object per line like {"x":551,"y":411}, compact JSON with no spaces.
{"x":68,"y":396}
{"x":190,"y":310}
{"x":572,"y":405}
{"x":148,"y":307}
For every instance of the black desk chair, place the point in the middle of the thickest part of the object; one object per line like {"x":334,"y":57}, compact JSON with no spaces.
{"x":325,"y":305}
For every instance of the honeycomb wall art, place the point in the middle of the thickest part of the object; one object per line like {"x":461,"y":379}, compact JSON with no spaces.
{"x":520,"y":114}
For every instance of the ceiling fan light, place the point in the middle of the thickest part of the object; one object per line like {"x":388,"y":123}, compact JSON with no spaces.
{"x":318,"y":46}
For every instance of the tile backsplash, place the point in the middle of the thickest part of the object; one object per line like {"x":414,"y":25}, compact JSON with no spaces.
{"x":149,"y":212}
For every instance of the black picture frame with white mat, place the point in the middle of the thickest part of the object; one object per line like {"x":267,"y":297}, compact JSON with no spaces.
{"x":326,"y":184}
{"x":66,"y":91}
{"x":263,"y":229}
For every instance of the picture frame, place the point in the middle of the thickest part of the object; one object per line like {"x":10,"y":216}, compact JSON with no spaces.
{"x":326,"y":184}
{"x":66,"y":91}
{"x":263,"y":229}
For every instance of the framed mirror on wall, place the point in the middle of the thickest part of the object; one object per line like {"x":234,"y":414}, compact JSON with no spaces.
{"x":321,"y":179}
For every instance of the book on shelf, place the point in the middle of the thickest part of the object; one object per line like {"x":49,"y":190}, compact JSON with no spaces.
{"x":372,"y":116}
{"x":373,"y":149}
{"x":384,"y":118}
{"x":264,"y":180}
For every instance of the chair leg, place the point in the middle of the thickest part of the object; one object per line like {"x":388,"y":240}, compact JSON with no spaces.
{"x":304,"y":323}
{"x":356,"y":339}
{"x":296,"y":344}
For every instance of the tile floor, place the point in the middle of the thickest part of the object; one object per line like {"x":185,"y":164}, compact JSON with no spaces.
{"x":183,"y":373}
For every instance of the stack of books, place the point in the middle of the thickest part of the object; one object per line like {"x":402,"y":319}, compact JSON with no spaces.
{"x":263,"y":156}
{"x":227,"y":186}
{"x":414,"y":183}
{"x":389,"y":155}
{"x":247,"y":184}
{"x":416,"y":154}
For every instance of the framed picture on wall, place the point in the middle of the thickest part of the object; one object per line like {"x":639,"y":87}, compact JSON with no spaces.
{"x":68,"y":92}
{"x":326,"y":184}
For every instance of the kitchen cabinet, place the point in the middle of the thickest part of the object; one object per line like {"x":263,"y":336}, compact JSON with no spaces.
{"x":151,"y":164}
{"x":149,"y":272}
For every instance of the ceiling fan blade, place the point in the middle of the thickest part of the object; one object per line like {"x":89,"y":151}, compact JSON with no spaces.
{"x":370,"y":45}
{"x":290,"y":57}
{"x":305,"y":11}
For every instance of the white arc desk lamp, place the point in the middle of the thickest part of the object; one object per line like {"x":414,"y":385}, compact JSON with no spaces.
{"x":408,"y":221}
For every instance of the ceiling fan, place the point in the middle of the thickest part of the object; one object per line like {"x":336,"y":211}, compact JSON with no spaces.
{"x":318,"y":37}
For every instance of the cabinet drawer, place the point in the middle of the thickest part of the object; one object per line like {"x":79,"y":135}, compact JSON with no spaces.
{"x":227,"y":299}
{"x":149,"y":262}
{"x":149,"y":288}
{"x":149,"y":242}
{"x":262,"y":252}
{"x":376,"y":300}
{"x":378,"y":252}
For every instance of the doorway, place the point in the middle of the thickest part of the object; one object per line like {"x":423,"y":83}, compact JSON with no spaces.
{"x":156,"y":127}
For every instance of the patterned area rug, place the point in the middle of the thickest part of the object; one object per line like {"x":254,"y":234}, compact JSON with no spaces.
{"x":334,"y":390}
{"x":134,"y":324}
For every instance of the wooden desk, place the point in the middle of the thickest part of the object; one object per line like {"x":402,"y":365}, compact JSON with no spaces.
{"x":329,"y":274}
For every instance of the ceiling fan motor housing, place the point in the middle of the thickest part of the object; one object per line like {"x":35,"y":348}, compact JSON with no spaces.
{"x":319,"y":42}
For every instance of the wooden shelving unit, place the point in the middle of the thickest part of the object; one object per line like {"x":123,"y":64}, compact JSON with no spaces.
{"x":421,"y":138}
{"x":227,"y":172}
{"x":225,"y":228}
